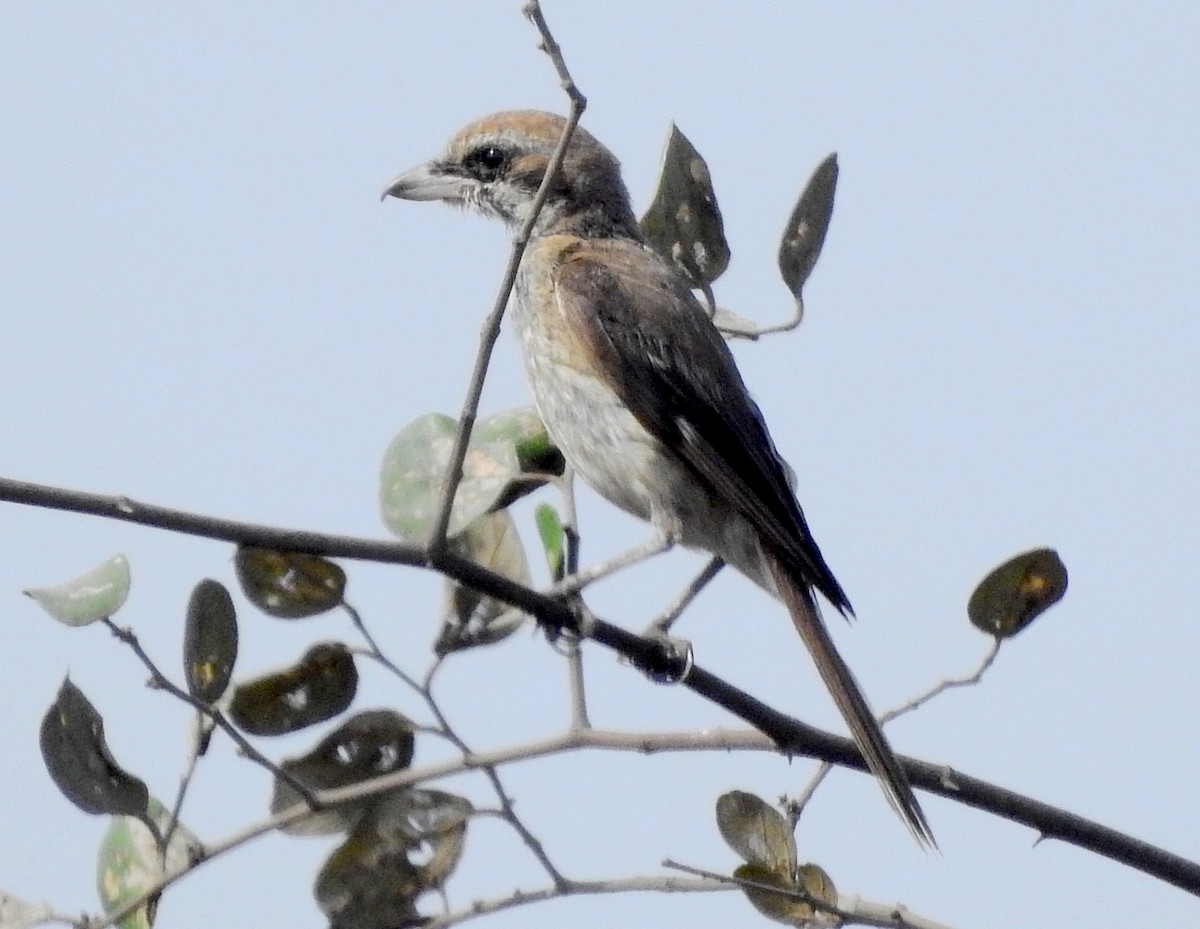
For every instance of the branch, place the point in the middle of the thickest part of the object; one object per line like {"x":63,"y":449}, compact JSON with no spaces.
{"x":652,"y":656}
{"x":662,"y":884}
{"x":491,"y":326}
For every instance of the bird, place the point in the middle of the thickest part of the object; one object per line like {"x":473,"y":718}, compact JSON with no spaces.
{"x":639,"y":390}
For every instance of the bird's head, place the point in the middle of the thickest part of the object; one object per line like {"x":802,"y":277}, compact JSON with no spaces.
{"x":496,"y":164}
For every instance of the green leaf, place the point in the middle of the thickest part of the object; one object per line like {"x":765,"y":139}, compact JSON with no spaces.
{"x":78,"y":759}
{"x":683,"y":223}
{"x":210,"y":641}
{"x":289,"y":585}
{"x":804,"y":235}
{"x":494,"y":473}
{"x":321,"y":685}
{"x":369,"y":744}
{"x":550,"y":531}
{"x":469,"y":618}
{"x":1017,"y":592}
{"x":756,"y":831}
{"x":95,"y":595}
{"x":129,"y":862}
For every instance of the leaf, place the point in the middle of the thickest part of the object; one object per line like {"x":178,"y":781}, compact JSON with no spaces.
{"x":210,"y":641}
{"x":790,"y":910}
{"x":494,"y":472}
{"x":757,"y":832}
{"x":406,"y":845}
{"x":368,"y":883}
{"x":804,"y":235}
{"x":16,"y":913}
{"x":289,"y":585}
{"x":1017,"y":592}
{"x":129,"y":862}
{"x":437,"y":823}
{"x":550,"y":531}
{"x":78,"y":759}
{"x":367,"y":745}
{"x":321,"y":685}
{"x":683,"y":222}
{"x":469,"y":618}
{"x":95,"y":595}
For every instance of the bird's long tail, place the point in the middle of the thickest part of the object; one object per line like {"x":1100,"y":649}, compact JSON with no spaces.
{"x":850,"y":702}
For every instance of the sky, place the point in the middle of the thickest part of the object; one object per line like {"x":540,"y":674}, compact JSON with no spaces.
{"x":207,"y":307}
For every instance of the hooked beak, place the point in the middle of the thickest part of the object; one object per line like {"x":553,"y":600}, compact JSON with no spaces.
{"x":427,"y":182}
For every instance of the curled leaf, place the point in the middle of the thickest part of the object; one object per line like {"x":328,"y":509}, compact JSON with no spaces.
{"x":507,"y":457}
{"x":805,"y":232}
{"x":289,"y":585}
{"x":210,"y":641}
{"x":321,"y":685}
{"x":683,"y":222}
{"x":367,"y":745}
{"x":469,"y":618}
{"x":78,"y":759}
{"x":1017,"y":592}
{"x":95,"y":595}
{"x":793,"y":907}
{"x":756,"y":831}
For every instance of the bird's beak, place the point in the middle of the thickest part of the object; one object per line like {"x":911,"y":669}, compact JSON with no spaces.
{"x":427,"y":182}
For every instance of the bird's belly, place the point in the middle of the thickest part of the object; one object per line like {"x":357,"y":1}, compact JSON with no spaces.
{"x":598,"y":436}
{"x":612,"y":452}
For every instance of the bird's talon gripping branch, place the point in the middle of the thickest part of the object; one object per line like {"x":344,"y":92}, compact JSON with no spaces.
{"x":675,"y":662}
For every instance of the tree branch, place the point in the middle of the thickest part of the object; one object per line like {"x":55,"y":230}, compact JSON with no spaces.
{"x":652,"y":656}
{"x":491,"y":326}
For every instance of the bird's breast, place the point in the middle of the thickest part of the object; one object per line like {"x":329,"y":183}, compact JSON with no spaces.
{"x":597,"y":434}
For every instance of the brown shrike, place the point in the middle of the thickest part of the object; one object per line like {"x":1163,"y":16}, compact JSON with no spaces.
{"x":638,"y":388}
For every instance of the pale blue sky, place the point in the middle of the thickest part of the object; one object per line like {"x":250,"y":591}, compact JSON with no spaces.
{"x":207,"y":307}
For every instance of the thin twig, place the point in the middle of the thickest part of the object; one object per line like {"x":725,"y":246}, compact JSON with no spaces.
{"x":574,"y":651}
{"x":204,"y":727}
{"x":795,"y":807}
{"x":663,"y":624}
{"x":794,"y":322}
{"x":436,"y":545}
{"x":658,"y":884}
{"x":161,"y":682}
{"x":507,"y":811}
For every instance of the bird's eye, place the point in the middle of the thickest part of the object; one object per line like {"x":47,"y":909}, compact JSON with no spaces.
{"x":487,"y":161}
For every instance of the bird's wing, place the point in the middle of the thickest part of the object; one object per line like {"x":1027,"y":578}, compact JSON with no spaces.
{"x":673,"y":370}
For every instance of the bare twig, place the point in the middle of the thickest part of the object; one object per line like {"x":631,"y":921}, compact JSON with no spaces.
{"x":659,"y":884}
{"x":160,"y":681}
{"x":794,"y":322}
{"x":796,"y":807}
{"x":491,"y":328}
{"x":663,"y":624}
{"x":571,"y":546}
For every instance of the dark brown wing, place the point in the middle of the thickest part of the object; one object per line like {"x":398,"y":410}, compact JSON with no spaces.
{"x":675,"y":372}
